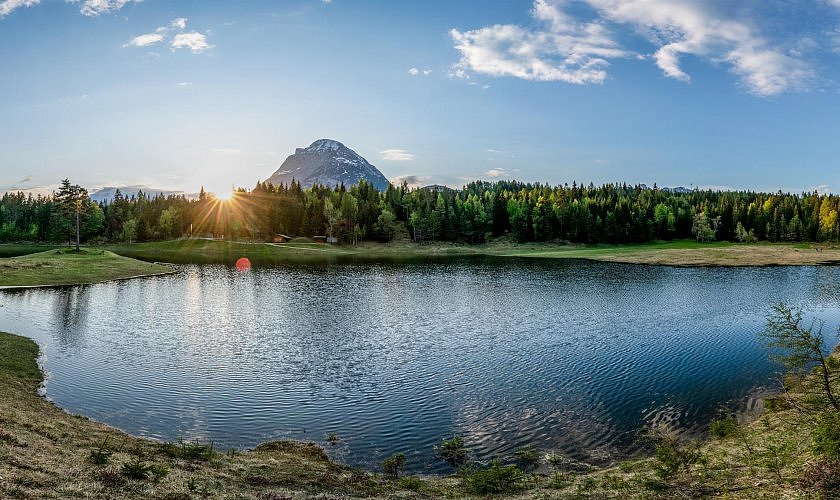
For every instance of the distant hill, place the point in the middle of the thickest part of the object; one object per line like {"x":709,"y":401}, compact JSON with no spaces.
{"x":330,"y":163}
{"x":106,"y":194}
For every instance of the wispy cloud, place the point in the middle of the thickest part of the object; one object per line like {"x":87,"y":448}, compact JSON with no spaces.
{"x":413,"y":180}
{"x":417,"y":71}
{"x":99,"y":7}
{"x":496,"y":173}
{"x":565,"y":48}
{"x":194,"y":41}
{"x":145,"y":40}
{"x":86,"y":7}
{"x":396,"y":155}
{"x":9,"y":6}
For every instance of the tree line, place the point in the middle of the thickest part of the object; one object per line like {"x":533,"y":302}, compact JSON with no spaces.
{"x":526,"y":212}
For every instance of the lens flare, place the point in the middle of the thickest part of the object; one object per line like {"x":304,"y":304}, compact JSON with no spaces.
{"x":243,"y":264}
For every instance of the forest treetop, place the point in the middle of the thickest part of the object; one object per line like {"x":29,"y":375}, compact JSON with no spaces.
{"x":609,"y":213}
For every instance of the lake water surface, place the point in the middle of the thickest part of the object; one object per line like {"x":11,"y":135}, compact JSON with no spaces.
{"x":570,"y":356}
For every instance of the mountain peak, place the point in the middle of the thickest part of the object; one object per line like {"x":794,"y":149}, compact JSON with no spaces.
{"x":325,"y":145}
{"x":328,"y":162}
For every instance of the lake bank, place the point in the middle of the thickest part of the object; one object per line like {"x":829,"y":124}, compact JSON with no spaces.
{"x":671,"y":253}
{"x":60,"y":267}
{"x":46,"y":452}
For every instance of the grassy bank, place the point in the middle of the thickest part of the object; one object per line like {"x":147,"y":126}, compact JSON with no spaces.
{"x":66,"y":267}
{"x":48,"y":453}
{"x":675,"y":253}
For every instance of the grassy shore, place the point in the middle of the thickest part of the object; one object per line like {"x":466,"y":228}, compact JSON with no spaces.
{"x":67,"y":267}
{"x":673,"y":253}
{"x":48,"y":453}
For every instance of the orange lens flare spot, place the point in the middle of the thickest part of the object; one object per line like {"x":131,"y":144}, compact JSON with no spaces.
{"x":243,"y":264}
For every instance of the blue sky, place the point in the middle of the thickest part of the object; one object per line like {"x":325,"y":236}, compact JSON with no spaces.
{"x":178,"y":94}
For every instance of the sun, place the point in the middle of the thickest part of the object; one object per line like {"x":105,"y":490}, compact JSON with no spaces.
{"x":225,"y":196}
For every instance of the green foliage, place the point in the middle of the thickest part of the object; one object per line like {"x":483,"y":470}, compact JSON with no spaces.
{"x":394,"y":464}
{"x":528,"y":456}
{"x":802,"y":350}
{"x":101,"y":455}
{"x":136,"y":468}
{"x":673,"y":457}
{"x":453,"y":451}
{"x":189,"y":450}
{"x":826,"y":435}
{"x":611,"y":213}
{"x":158,"y":471}
{"x":496,"y":478}
{"x":723,"y":427}
{"x":411,"y":483}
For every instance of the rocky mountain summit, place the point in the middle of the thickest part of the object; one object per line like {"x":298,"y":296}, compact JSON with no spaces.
{"x":327,"y":162}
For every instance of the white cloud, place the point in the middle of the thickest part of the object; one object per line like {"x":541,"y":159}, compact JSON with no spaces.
{"x":561,"y":49}
{"x":8,"y":6}
{"x":178,"y":23}
{"x":496,"y":173}
{"x":396,"y":155}
{"x":427,"y":72}
{"x":416,"y":71}
{"x":413,"y":71}
{"x":145,"y":40}
{"x":184,"y":84}
{"x":413,"y":180}
{"x":690,"y":27}
{"x":194,"y":41}
{"x":564,"y":48}
{"x":99,"y":7}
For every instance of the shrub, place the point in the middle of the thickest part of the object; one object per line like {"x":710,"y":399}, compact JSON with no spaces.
{"x":135,"y":469}
{"x":527,"y":456}
{"x":672,"y":458}
{"x":496,"y":478}
{"x":394,"y":464}
{"x":723,"y":427}
{"x":101,"y":455}
{"x":411,"y":483}
{"x":557,"y":461}
{"x":189,"y":451}
{"x":158,"y":471}
{"x":826,"y":435}
{"x":452,"y":451}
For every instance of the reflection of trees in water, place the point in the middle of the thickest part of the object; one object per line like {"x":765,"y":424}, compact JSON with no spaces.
{"x":70,"y":312}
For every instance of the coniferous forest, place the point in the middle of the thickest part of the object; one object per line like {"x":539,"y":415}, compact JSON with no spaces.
{"x":480,"y":211}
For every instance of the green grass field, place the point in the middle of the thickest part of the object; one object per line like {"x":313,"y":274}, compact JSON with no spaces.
{"x":66,"y":267}
{"x":677,"y":253}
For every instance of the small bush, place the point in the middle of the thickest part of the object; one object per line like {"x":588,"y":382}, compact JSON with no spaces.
{"x":528,"y":457}
{"x":496,"y":478}
{"x":158,"y":471}
{"x":394,"y":464}
{"x":559,"y":481}
{"x":672,"y":458}
{"x":135,"y":469}
{"x":189,"y":451}
{"x":826,"y":436}
{"x":452,"y":451}
{"x":822,"y":477}
{"x":411,"y":483}
{"x":557,"y":461}
{"x":101,"y":455}
{"x":723,"y":427}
